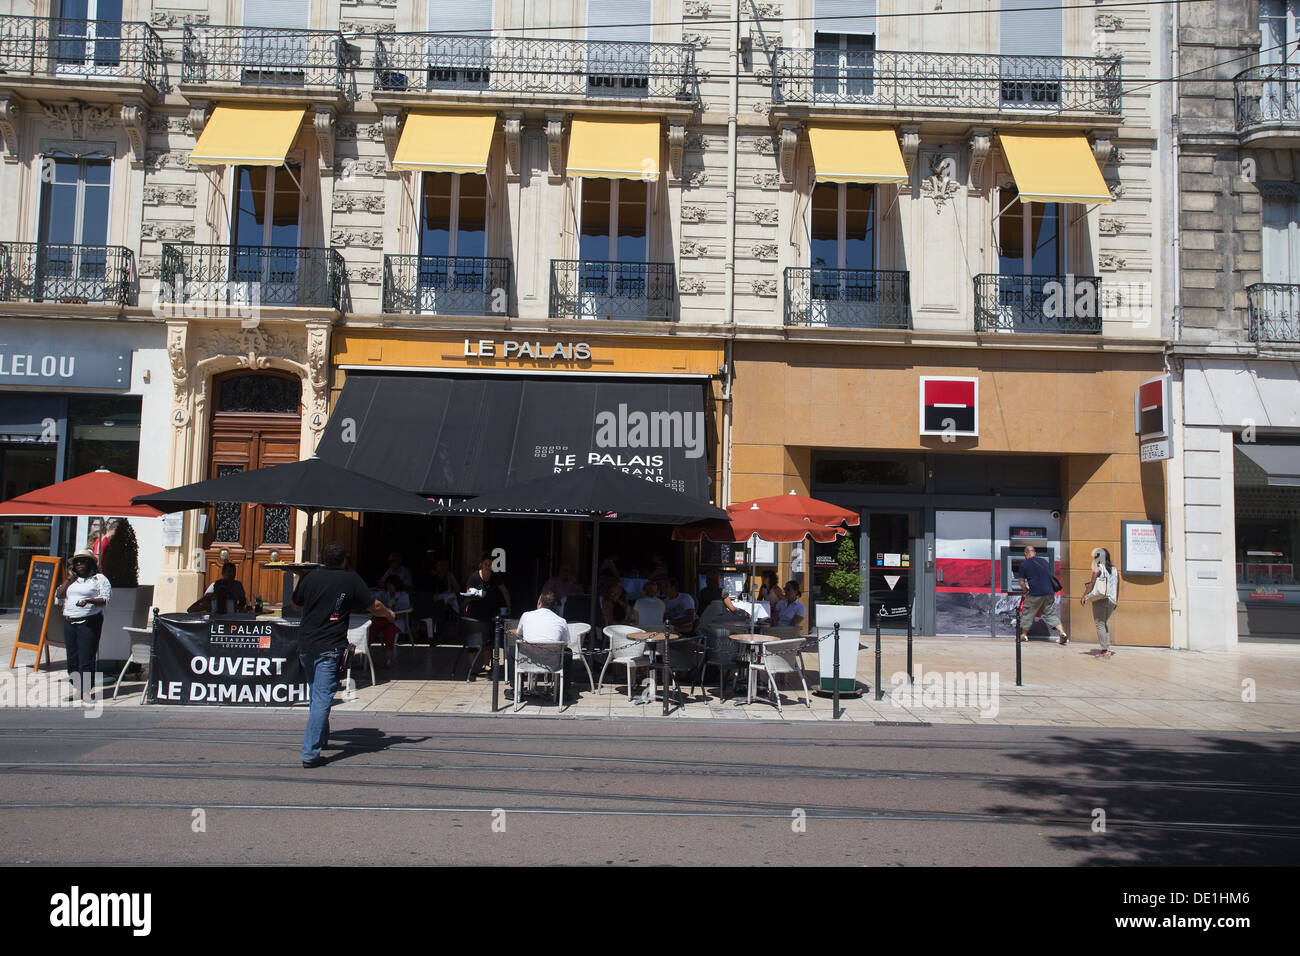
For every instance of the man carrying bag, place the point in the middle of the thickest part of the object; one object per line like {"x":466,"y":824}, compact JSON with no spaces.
{"x":1039,"y":587}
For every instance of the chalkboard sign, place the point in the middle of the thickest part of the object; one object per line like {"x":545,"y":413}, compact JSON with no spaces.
{"x":38,"y":602}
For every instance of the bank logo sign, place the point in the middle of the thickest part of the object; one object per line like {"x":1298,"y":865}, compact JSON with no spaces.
{"x":949,"y":406}
{"x":1152,"y":420}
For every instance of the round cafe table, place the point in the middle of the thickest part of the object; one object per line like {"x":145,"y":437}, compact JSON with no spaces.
{"x":656,"y":637}
{"x":754,"y":643}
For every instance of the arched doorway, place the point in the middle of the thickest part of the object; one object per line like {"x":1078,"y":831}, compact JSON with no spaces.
{"x":256,"y":422}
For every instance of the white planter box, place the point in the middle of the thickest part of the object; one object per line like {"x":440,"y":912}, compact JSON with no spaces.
{"x":850,"y":618}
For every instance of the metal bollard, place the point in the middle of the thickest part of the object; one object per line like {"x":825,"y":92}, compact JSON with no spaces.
{"x":880,"y":691}
{"x":835,"y":673}
{"x":1017,"y":640}
{"x":909,"y":646}
{"x":498,"y":632}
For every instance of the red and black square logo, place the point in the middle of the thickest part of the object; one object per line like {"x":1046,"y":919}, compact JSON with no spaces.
{"x":949,"y":406}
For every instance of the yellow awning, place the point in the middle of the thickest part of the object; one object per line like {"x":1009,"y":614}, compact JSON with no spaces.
{"x":1054,"y":167}
{"x":856,"y":154}
{"x":445,"y":141}
{"x":252,"y":135}
{"x":614,"y":147}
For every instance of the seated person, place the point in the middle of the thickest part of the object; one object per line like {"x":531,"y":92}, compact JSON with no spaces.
{"x":382,"y":629}
{"x":790,"y":612}
{"x":614,"y":608}
{"x":564,"y":584}
{"x":649,"y":610}
{"x":712,"y":588}
{"x":679,"y":608}
{"x":723,"y":611}
{"x":396,"y":570}
{"x":544,"y":625}
{"x":224,"y":596}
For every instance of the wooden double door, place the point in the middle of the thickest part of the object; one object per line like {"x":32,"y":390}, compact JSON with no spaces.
{"x":248,"y":534}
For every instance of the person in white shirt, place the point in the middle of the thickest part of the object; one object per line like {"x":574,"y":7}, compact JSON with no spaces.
{"x":84,"y":594}
{"x":649,"y":610}
{"x":1103,"y":605}
{"x":544,"y":626}
{"x":679,"y":608}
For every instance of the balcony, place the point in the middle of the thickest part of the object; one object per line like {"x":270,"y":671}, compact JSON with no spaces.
{"x":847,"y":299}
{"x":446,"y":285}
{"x":1064,"y":304}
{"x":962,"y":83}
{"x":264,"y":59}
{"x":93,"y":55}
{"x":249,"y":277}
{"x":67,"y":274}
{"x":1267,"y":101}
{"x":550,"y":70}
{"x":636,"y":291}
{"x":1274,"y":313}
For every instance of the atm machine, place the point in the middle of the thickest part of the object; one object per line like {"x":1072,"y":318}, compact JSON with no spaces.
{"x":1021,"y":537}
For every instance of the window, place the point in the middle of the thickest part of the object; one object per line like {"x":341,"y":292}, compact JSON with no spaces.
{"x":462,"y":59}
{"x":616,"y":65}
{"x":1277,"y":305}
{"x":842,"y":67}
{"x":841,"y":254}
{"x":1278,"y":33}
{"x":453,"y":243}
{"x":1031,"y":43}
{"x":613,"y":246}
{"x":73,"y":256}
{"x":265,"y":232}
{"x":1031,"y":237}
{"x":88,"y":36}
{"x":272,"y":57}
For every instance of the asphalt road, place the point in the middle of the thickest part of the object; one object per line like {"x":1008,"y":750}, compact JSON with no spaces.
{"x":226,"y":786}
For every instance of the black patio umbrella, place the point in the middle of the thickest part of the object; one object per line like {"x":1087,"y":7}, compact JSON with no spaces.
{"x":311,"y":486}
{"x":595,"y":494}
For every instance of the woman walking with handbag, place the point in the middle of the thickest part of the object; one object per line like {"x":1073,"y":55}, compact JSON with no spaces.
{"x":1102,"y":593}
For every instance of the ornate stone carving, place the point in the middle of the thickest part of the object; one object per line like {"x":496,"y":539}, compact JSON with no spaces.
{"x":366,"y":26}
{"x":351,"y":200}
{"x":392,"y":130}
{"x":156,"y":159}
{"x":353,"y":168}
{"x":514,"y":131}
{"x":323,"y":122}
{"x":766,"y":11}
{"x":1110,"y":226}
{"x":198,"y":115}
{"x":317,"y":374}
{"x":77,"y":118}
{"x":373,"y":238}
{"x":1116,"y":190}
{"x":161,"y":123}
{"x":693,"y":249}
{"x":178,"y":358}
{"x":367,"y":275}
{"x":981,"y":141}
{"x":1101,"y":148}
{"x":135,"y":120}
{"x":369,"y":3}
{"x":345,"y":130}
{"x":765,"y":288}
{"x":696,"y":142}
{"x":694,"y":214}
{"x":166,"y":230}
{"x":167,"y":19}
{"x":909,"y":143}
{"x":789,"y":138}
{"x":169,"y":196}
{"x":697,"y":40}
{"x":695,"y":9}
{"x":766,"y":216}
{"x":940,"y":186}
{"x":762,"y":107}
{"x":767,"y":251}
{"x":692,"y":285}
{"x":676,"y":146}
{"x":149,"y":267}
{"x":1106,"y":21}
{"x":695,"y":178}
{"x":554,"y":146}
{"x":763,"y":76}
{"x":10,"y":123}
{"x":764,"y":145}
{"x":1109,"y":262}
{"x":767,"y":180}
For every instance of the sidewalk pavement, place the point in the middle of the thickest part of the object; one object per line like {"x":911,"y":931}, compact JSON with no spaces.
{"x":957,"y":681}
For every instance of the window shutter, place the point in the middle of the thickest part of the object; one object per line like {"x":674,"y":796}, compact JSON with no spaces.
{"x":1038,"y":32}
{"x":289,"y":14}
{"x":460,"y":16}
{"x":610,"y":19}
{"x":845,"y":16}
{"x":1279,"y":216}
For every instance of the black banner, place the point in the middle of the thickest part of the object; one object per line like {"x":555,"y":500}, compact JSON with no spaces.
{"x":239,"y":663}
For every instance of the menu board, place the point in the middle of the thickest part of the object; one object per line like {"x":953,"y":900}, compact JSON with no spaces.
{"x":38,"y":602}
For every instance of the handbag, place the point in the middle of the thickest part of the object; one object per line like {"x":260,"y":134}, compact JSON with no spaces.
{"x":1098,"y":592}
{"x":1057,"y":586}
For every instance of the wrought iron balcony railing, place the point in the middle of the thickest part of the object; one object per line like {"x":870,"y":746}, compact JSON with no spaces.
{"x":252,"y":276}
{"x":970,"y":81}
{"x":424,"y":62}
{"x":847,"y":299}
{"x":58,"y":272}
{"x":264,"y":56}
{"x":1267,"y":95}
{"x":1274,"y":312}
{"x":446,"y":285}
{"x":68,"y":49}
{"x":613,"y":290}
{"x":1038,"y":303}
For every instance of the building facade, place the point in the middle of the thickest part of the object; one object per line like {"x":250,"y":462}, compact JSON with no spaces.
{"x":798,"y":210}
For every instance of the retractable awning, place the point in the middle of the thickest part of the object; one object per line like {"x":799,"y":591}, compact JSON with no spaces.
{"x":1054,"y":167}
{"x":248,"y":135}
{"x":614,"y":147}
{"x":1281,"y":463}
{"x":856,"y":154}
{"x":453,"y":436}
{"x":445,"y":142}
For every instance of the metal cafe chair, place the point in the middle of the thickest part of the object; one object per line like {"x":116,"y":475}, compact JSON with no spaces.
{"x":534,"y":659}
{"x":720,"y":652}
{"x":475,"y":636}
{"x":783,"y":657}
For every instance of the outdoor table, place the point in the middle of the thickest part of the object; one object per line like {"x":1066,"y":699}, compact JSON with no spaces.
{"x":654,"y":637}
{"x":754,"y":643}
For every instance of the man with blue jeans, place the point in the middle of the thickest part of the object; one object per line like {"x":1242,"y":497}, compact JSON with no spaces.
{"x":1040,"y":594}
{"x":327,"y":595}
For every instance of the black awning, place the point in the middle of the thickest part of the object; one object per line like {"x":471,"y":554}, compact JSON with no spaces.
{"x":459,"y":436}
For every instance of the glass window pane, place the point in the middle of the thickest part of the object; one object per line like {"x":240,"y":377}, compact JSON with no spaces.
{"x":632,"y":198}
{"x":284,"y":209}
{"x":1011,"y":233}
{"x":825,"y":226}
{"x":593,"y":239}
{"x":471,"y":224}
{"x":250,"y":211}
{"x":859,"y":227}
{"x":1046,"y":249}
{"x":275,"y":525}
{"x":271,"y":394}
{"x":229,"y":514}
{"x":435,"y":227}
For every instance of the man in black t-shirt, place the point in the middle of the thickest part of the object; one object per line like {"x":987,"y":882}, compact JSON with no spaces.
{"x":327,"y":596}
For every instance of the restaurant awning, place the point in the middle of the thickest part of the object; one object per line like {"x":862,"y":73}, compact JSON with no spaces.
{"x":445,"y":141}
{"x":614,"y":147}
{"x":248,"y":135}
{"x":1054,"y":167}
{"x":456,"y":436}
{"x":856,"y":154}
{"x":1281,"y":463}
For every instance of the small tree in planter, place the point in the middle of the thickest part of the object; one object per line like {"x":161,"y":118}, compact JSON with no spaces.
{"x":844,"y":584}
{"x":121,"y":560}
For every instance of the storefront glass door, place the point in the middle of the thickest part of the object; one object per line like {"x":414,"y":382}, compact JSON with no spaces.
{"x":890,"y":557}
{"x":963,"y":572}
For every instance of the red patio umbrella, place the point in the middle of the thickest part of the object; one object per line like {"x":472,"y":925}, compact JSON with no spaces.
{"x":100,"y":492}
{"x":746,"y":520}
{"x":801,"y":506}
